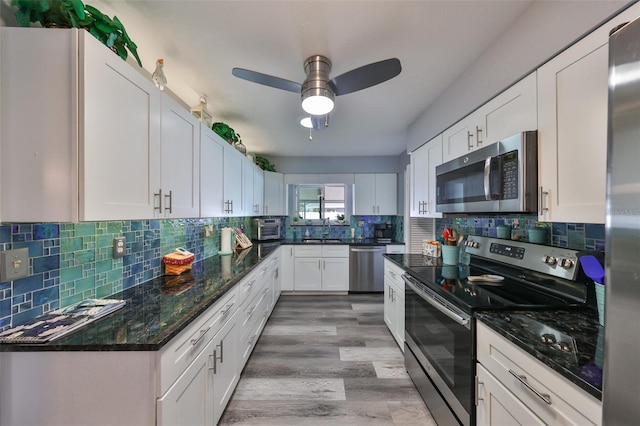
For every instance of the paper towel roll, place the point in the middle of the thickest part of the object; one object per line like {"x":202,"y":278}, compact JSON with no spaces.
{"x":225,"y":240}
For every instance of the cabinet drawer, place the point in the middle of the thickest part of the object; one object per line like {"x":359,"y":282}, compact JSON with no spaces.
{"x":184,"y":348}
{"x":250,"y":286}
{"x":335,"y":251}
{"x":308,"y":251}
{"x":566,"y":403}
{"x":394,"y":273}
{"x":253,"y":325}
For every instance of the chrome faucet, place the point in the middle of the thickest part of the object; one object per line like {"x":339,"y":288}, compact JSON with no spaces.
{"x":326,"y":227}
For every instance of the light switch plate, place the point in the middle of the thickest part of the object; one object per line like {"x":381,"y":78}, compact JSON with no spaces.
{"x":119,"y":247}
{"x":14,"y":264}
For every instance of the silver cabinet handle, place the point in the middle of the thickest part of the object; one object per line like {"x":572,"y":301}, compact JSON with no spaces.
{"x":221,"y":346}
{"x":159,"y":195}
{"x":478,"y":136}
{"x":215,"y":367}
{"x":170,"y":196}
{"x":226,"y":311}
{"x":319,"y":264}
{"x":542,"y":194}
{"x":523,"y":379}
{"x":469,"y":139}
{"x":199,"y":338}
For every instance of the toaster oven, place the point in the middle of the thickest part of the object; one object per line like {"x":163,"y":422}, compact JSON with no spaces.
{"x":265,"y":229}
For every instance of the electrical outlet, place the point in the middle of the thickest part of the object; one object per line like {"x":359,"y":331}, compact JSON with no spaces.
{"x":14,"y":264}
{"x":119,"y":247}
{"x":208,"y":230}
{"x":361,"y":223}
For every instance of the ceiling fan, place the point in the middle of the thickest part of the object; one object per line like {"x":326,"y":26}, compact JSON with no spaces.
{"x":318,"y":91}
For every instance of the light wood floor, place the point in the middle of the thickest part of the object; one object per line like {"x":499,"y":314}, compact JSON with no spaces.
{"x":326,"y":360}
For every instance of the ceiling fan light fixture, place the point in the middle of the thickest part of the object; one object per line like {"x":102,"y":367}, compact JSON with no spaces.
{"x":306,"y":122}
{"x":315,"y":103}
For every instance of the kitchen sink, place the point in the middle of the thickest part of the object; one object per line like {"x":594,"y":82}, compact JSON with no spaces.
{"x":321,"y":240}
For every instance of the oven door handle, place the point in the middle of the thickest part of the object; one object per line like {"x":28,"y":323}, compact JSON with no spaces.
{"x":443,"y":309}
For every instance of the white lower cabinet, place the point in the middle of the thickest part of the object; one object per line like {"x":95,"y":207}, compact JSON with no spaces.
{"x":513,"y":387}
{"x":394,"y":301}
{"x":321,"y":268}
{"x":287,"y":267}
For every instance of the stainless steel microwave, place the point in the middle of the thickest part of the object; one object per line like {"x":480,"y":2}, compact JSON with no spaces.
{"x":501,"y":177}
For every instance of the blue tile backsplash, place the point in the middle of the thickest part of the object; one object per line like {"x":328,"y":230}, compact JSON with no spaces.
{"x":69,"y":262}
{"x":576,"y":236}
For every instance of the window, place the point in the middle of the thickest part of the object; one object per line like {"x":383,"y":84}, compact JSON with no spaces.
{"x":316,"y":202}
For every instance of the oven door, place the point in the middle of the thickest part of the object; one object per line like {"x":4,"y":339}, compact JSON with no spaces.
{"x":440,"y":338}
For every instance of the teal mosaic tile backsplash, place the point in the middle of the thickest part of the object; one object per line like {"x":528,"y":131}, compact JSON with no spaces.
{"x":344,"y":231}
{"x":576,"y":236}
{"x":70,"y":262}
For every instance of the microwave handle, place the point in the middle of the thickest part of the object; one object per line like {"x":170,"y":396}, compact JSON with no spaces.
{"x":487,"y":178}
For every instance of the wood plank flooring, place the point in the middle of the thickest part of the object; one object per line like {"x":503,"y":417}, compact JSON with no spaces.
{"x":326,"y":360}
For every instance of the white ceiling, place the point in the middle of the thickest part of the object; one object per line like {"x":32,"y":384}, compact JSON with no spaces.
{"x":202,"y":40}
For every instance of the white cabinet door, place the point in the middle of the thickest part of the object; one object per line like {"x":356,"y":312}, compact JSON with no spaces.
{"x":189,"y":401}
{"x":572,"y":128}
{"x":497,"y":406}
{"x":424,"y":161}
{"x":248,"y":207}
{"x":180,"y":152}
{"x":335,"y":274}
{"x":287,"y":267}
{"x":211,"y":173}
{"x":386,"y":194}
{"x":389,"y":306}
{"x":511,"y":112}
{"x":232,"y":205}
{"x":376,"y":193}
{"x":398,"y":300}
{"x":225,"y":366}
{"x":119,"y":136}
{"x":258,"y":190}
{"x":462,"y":137}
{"x":274,"y":203}
{"x":365,"y":194}
{"x":308,"y":274}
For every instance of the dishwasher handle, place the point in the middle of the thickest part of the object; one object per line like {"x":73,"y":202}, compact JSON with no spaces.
{"x":367,"y":249}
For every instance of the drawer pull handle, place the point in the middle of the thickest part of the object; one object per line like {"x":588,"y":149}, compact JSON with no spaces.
{"x":523,"y":379}
{"x":202,"y":333}
{"x":215,"y":366}
{"x":221,"y":346}
{"x":226,"y":311}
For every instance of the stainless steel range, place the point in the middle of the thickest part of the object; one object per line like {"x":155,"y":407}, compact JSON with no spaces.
{"x":440,"y":301}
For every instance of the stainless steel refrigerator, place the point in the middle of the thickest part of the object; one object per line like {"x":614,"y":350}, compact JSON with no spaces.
{"x":621,"y":388}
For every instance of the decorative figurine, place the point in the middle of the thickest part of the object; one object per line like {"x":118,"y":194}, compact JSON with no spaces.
{"x":158,"y":75}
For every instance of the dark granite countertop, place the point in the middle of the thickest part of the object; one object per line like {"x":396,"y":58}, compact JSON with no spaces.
{"x":157,"y":310}
{"x":583,"y":366}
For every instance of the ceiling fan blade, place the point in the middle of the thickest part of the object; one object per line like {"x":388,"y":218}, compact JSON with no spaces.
{"x":365,"y":76}
{"x":267,"y":80}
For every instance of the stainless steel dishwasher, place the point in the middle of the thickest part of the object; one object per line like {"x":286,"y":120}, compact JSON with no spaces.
{"x":366,"y":268}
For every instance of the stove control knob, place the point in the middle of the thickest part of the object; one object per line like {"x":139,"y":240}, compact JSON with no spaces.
{"x":550,"y":260}
{"x":566,"y":263}
{"x":476,"y":244}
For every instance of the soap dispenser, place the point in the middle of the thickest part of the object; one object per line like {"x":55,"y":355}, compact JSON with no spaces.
{"x":306,"y":233}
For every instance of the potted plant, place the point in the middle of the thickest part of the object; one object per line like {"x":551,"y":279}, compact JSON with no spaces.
{"x":75,"y":14}
{"x":225,"y":132}
{"x":340,"y":218}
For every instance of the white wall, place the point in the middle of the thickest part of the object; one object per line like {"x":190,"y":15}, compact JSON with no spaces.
{"x":542,"y":31}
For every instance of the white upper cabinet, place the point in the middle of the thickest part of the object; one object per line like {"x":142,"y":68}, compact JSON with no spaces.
{"x":424,"y":161}
{"x":252,"y":188}
{"x":211,"y":173}
{"x":180,"y":152}
{"x":572,"y":131}
{"x":274,"y":203}
{"x":258,"y":190}
{"x":511,"y":112}
{"x":232,"y":200}
{"x":376,"y":193}
{"x":80,"y":130}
